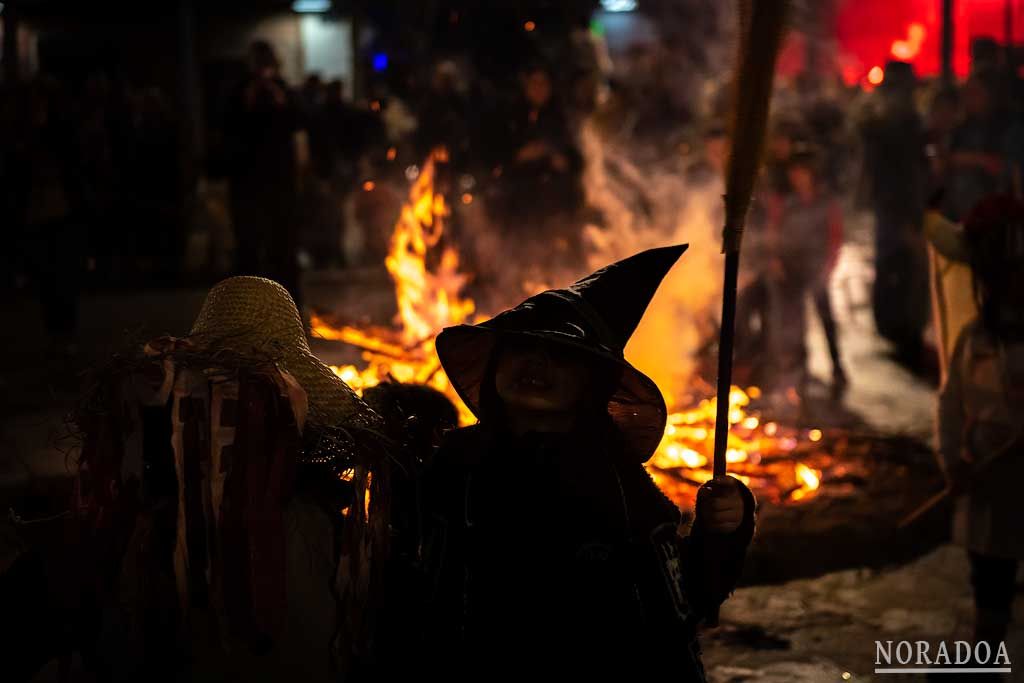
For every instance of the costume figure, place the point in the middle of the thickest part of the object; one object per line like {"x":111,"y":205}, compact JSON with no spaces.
{"x":896,"y":175}
{"x":226,"y":504}
{"x":981,"y":414}
{"x":550,"y":553}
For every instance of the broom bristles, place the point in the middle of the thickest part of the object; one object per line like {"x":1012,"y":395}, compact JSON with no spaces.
{"x":761,"y":28}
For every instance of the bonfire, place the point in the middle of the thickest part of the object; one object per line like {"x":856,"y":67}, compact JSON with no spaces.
{"x":780,"y":463}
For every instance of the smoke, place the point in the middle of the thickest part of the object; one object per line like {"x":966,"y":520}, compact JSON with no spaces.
{"x":638,"y":194}
{"x":648,"y":208}
{"x":635,"y":201}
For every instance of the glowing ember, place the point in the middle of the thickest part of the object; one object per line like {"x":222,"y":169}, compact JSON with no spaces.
{"x":808,"y":477}
{"x":761,"y":454}
{"x":876,"y":75}
{"x":808,"y":481}
{"x":428,"y":286}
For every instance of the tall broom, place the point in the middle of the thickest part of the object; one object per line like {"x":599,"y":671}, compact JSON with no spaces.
{"x":761,"y":27}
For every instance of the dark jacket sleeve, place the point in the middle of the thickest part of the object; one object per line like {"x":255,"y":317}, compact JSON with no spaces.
{"x":712,"y":563}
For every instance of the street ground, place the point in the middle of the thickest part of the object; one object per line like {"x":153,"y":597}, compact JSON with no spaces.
{"x":817,"y":630}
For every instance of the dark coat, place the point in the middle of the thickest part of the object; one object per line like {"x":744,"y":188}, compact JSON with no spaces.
{"x":554,"y":556}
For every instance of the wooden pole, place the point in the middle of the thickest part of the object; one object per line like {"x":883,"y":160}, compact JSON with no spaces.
{"x":725,"y":357}
{"x":761,"y":27}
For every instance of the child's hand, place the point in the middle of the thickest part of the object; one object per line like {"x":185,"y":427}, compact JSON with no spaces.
{"x":720,"y":505}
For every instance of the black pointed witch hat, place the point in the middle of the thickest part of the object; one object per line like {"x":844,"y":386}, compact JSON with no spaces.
{"x":596,"y":315}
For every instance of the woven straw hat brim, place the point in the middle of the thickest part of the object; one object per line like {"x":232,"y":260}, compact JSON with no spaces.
{"x":254,"y":315}
{"x":637,"y":408}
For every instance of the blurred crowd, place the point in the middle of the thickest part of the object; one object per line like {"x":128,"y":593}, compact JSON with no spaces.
{"x":100,"y":189}
{"x":895,"y":151}
{"x":92,"y":181}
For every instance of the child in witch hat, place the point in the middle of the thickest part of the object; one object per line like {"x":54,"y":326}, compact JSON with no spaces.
{"x":551,"y":551}
{"x":981,"y":414}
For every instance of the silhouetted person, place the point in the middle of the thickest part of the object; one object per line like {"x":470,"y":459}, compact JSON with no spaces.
{"x":540,"y":168}
{"x":260,"y":126}
{"x":98,"y":130}
{"x":442,"y":113}
{"x":549,"y":553}
{"x":805,"y":233}
{"x":942,"y":120}
{"x":784,"y":135}
{"x":153,"y":187}
{"x":311,"y":98}
{"x":826,"y":127}
{"x":710,"y":167}
{"x":981,"y":409}
{"x":977,"y":159}
{"x":50,"y":207}
{"x":896,"y":169}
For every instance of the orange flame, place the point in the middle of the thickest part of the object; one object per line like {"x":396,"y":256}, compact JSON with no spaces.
{"x":428,"y":298}
{"x":808,"y":481}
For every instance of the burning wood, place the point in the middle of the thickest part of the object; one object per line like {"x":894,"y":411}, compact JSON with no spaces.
{"x":428,"y":299}
{"x":763,"y":454}
{"x":766,"y":456}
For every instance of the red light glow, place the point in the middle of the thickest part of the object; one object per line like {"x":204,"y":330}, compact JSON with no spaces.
{"x":871,"y":32}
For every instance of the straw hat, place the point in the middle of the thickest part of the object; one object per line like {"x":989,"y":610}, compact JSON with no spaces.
{"x":255,"y":315}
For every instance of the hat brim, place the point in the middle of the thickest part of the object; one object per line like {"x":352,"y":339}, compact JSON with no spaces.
{"x":332,"y":402}
{"x":636,"y":407}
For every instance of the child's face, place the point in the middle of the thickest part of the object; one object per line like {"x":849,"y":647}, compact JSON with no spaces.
{"x":536,"y":377}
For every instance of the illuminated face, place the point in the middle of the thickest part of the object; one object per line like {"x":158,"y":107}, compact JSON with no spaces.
{"x":537,"y":377}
